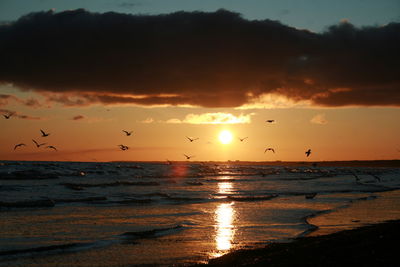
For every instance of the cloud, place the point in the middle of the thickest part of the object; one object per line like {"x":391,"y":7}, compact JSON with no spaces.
{"x":319,"y":119}
{"x":216,"y":59}
{"x":18,"y":115}
{"x":89,"y":119}
{"x":213,"y":118}
{"x":147,"y":120}
{"x":10,"y":99}
{"x":78,"y":117}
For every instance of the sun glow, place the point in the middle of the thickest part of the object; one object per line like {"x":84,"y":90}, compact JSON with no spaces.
{"x":225,"y":137}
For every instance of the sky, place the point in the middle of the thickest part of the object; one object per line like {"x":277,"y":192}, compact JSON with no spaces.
{"x":325,"y":72}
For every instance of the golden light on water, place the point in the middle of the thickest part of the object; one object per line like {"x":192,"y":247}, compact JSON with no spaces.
{"x":225,"y":137}
{"x":224,"y":219}
{"x":224,"y":215}
{"x":224,"y":187}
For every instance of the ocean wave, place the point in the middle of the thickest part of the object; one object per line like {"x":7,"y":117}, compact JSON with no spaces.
{"x":127,"y":237}
{"x":251,"y":198}
{"x":77,"y":186}
{"x":153,"y":233}
{"x":28,"y":175}
{"x":134,"y":201}
{"x":51,"y":248}
{"x":28,"y":204}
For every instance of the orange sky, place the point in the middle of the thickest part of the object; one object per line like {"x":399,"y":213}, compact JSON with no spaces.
{"x":159,"y":133}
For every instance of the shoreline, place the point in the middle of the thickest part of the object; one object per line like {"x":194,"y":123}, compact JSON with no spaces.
{"x":371,"y":245}
{"x":391,"y":163}
{"x":358,"y":235}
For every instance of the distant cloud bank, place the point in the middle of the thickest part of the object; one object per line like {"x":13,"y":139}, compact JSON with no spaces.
{"x":213,"y":118}
{"x":216,"y":59}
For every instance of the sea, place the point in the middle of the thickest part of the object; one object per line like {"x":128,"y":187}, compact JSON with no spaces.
{"x":168,"y":214}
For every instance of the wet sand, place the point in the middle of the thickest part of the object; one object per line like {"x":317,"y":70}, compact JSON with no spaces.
{"x":360,"y":235}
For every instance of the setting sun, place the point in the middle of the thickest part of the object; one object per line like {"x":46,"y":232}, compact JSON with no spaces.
{"x":225,"y":137}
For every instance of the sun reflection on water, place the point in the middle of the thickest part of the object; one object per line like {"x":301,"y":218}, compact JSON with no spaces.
{"x":224,"y":219}
{"x":224,"y":188}
{"x":224,"y":215}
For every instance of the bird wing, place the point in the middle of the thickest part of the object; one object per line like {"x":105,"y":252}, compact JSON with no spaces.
{"x":36,"y":143}
{"x":18,"y":145}
{"x":43,"y":133}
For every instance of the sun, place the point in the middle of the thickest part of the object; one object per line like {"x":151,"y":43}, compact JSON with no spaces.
{"x":225,"y":137}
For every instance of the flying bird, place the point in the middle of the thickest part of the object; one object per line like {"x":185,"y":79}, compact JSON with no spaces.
{"x":308,"y":152}
{"x":188,"y":157}
{"x":122,"y":147}
{"x":52,"y":147}
{"x":44,"y":134}
{"x":127,"y":133}
{"x":269,"y":148}
{"x":7,"y":116}
{"x":242,"y":139}
{"x":18,"y":145}
{"x":37,"y":144}
{"x":270,"y":121}
{"x":192,"y":139}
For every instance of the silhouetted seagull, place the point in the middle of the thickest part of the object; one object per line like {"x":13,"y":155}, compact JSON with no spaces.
{"x":52,"y":147}
{"x":44,"y":134}
{"x":270,"y":121}
{"x":18,"y":145}
{"x":188,"y":157}
{"x":356,"y":176}
{"x":269,"y":148}
{"x":242,"y":139}
{"x":375,"y":176}
{"x":7,"y":116}
{"x":122,"y":147}
{"x":192,"y":139}
{"x":310,"y":195}
{"x":308,"y":152}
{"x":37,"y":144}
{"x":127,"y":133}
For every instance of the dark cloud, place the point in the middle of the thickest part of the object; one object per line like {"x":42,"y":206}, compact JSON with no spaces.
{"x":78,"y":117}
{"x":213,"y":59}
